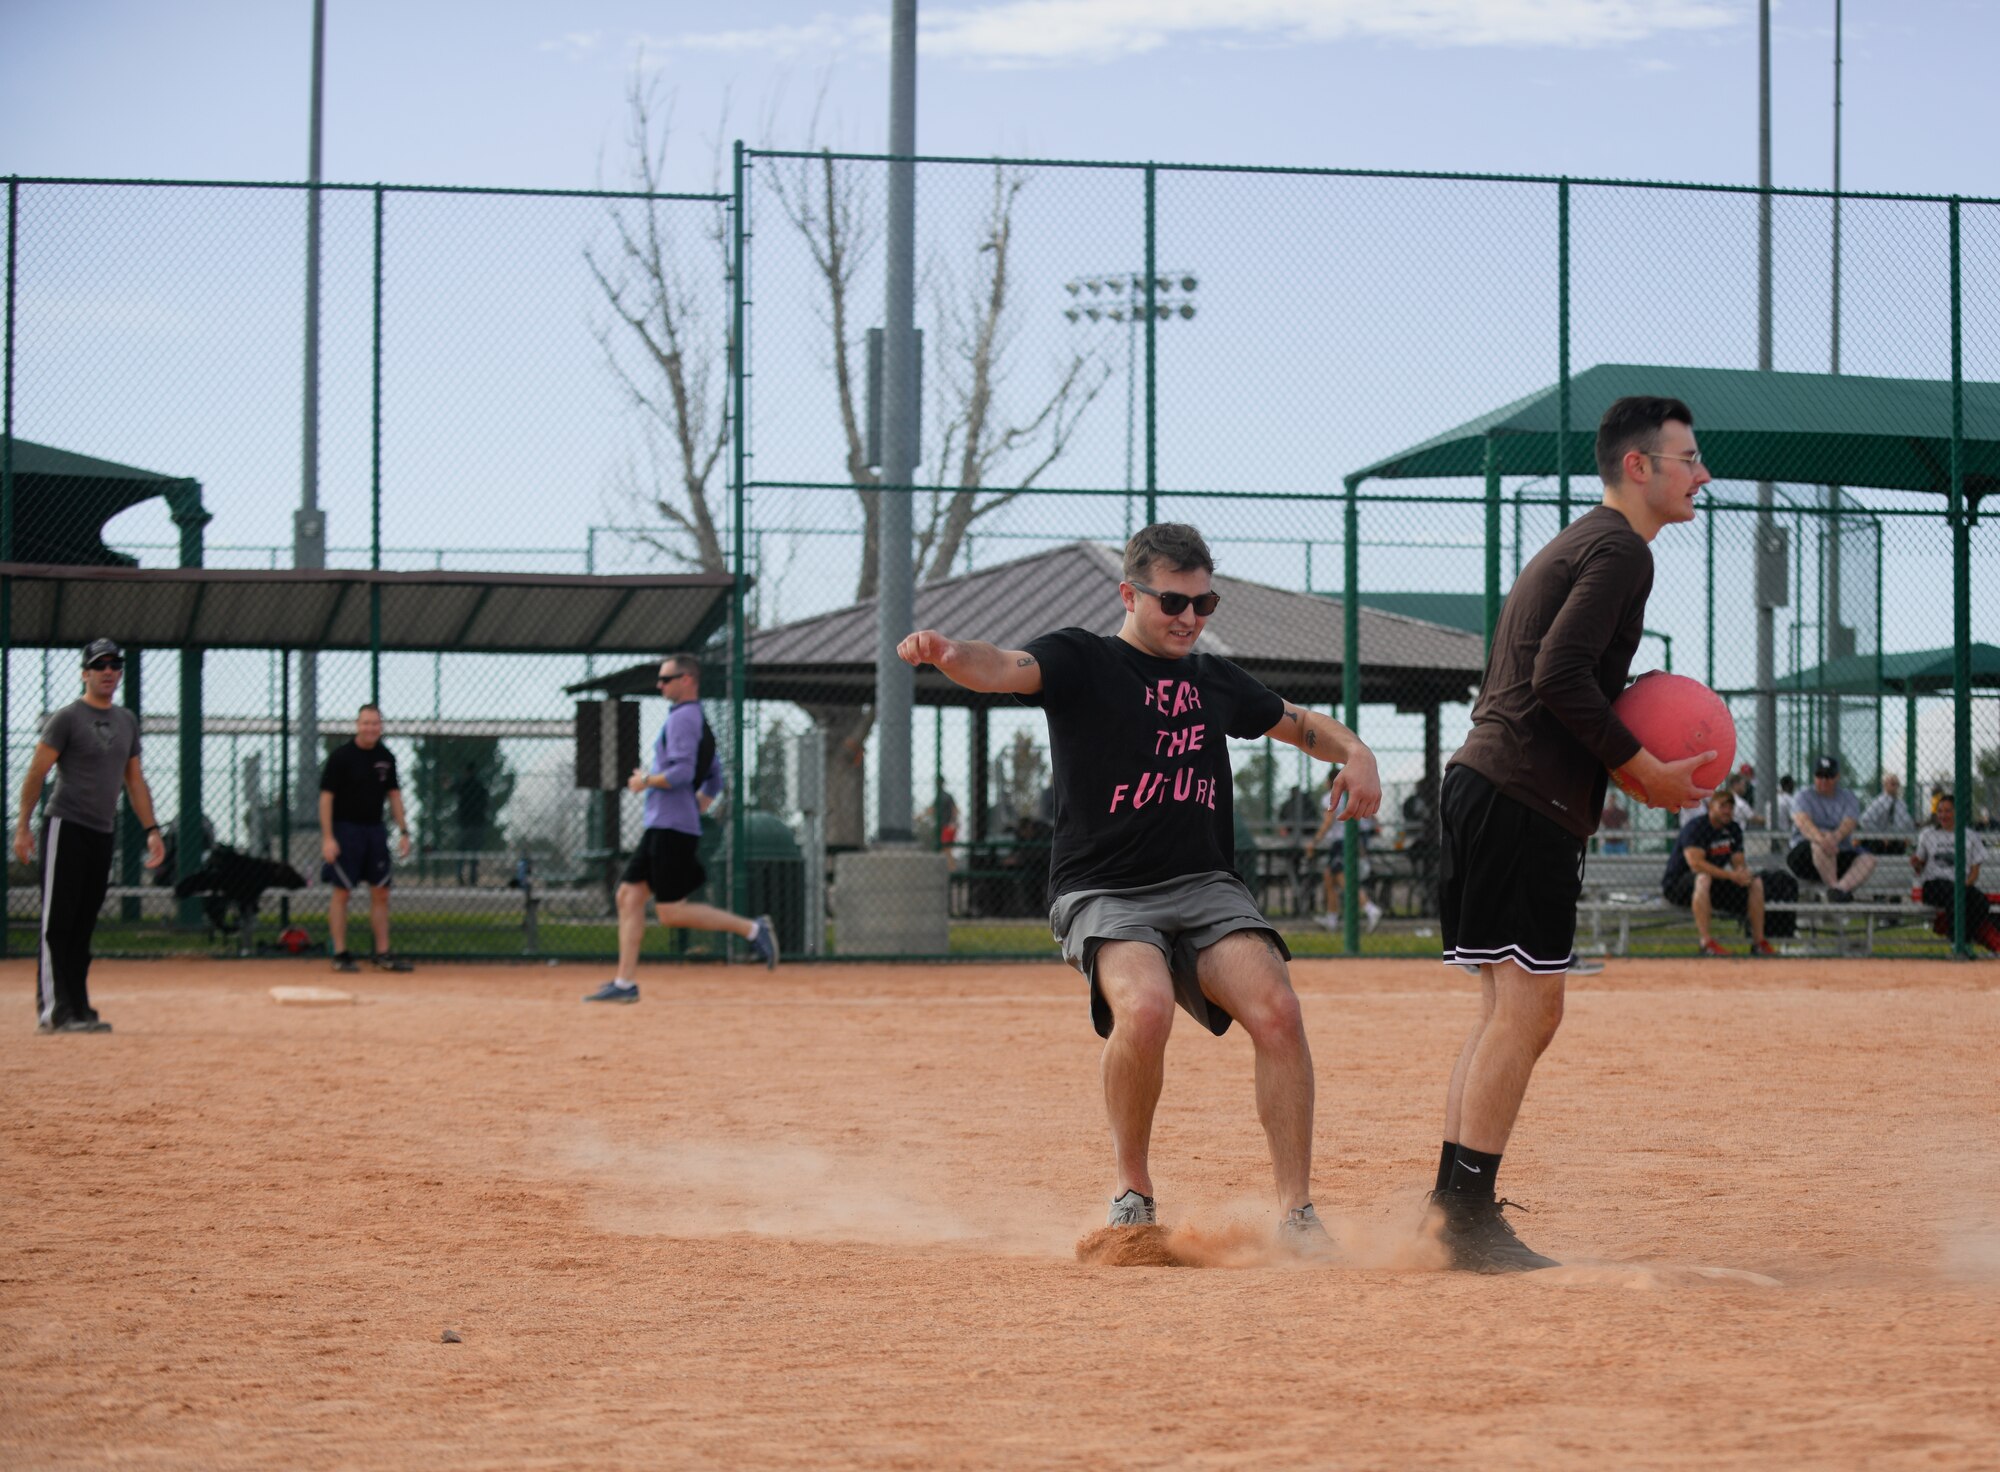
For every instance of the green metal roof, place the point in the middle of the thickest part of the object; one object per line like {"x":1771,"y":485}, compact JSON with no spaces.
{"x":62,"y":501}
{"x":1902,"y":674}
{"x":1803,"y":428}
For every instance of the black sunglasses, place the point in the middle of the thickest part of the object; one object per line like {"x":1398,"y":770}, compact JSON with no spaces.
{"x":105,"y":664}
{"x":1171,"y":604}
{"x":669,"y":679}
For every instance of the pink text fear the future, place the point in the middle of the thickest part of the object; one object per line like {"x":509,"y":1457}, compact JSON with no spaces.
{"x":1170,"y":698}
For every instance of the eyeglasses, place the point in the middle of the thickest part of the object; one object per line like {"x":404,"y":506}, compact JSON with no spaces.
{"x":1171,"y":604}
{"x":669,"y":679}
{"x":105,"y":664}
{"x":1693,"y":462}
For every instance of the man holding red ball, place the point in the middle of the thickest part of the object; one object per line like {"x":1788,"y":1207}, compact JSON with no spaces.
{"x":1523,"y":795}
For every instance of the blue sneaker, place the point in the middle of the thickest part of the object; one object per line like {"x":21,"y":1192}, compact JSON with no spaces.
{"x":764,"y":941}
{"x":615,"y":991}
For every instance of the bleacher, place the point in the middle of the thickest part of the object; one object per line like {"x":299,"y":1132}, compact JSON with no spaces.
{"x":1621,"y":897}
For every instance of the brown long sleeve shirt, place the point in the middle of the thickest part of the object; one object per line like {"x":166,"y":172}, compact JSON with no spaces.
{"x":1542,"y":728}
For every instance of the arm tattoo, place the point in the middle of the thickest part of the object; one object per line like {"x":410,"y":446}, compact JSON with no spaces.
{"x":1312,"y":739}
{"x":1292,"y":716}
{"x":1024,"y":661}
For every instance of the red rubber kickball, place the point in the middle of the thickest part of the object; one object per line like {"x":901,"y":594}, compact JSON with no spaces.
{"x":1675,"y":718}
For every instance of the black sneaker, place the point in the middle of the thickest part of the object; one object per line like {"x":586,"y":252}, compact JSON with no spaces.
{"x":390,"y":961}
{"x":343,"y":961}
{"x":1480,"y":1240}
{"x":74,"y":1024}
{"x":1837,"y":896}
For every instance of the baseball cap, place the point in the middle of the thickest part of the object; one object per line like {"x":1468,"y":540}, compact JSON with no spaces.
{"x":1747,"y":770}
{"x":1826,"y":766}
{"x":100,"y":648}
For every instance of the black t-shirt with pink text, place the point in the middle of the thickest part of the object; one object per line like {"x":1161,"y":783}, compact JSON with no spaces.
{"x":1141,"y":759}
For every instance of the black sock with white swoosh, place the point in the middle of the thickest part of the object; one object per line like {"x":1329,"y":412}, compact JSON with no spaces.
{"x":1473,"y":1172}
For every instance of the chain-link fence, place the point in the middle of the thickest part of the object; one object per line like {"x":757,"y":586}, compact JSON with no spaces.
{"x":1375,"y":395}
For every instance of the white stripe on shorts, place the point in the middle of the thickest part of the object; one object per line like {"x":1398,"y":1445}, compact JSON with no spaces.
{"x":1467,"y":956}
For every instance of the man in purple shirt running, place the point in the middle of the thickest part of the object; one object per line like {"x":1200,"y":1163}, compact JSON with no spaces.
{"x":685,"y":777}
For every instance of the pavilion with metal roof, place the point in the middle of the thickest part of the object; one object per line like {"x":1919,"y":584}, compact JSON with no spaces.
{"x":1291,"y":641}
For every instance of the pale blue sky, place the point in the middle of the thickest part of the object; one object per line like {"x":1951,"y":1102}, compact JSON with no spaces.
{"x":527,"y":92}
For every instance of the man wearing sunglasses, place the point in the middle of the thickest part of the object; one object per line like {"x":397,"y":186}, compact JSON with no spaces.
{"x":1521,"y":798}
{"x":1146,"y":903}
{"x":684,"y":779}
{"x":95,"y":744}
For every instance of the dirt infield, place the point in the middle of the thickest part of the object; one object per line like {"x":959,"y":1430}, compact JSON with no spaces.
{"x":828,"y":1218}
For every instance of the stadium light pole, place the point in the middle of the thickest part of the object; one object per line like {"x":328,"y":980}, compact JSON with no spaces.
{"x":1119,"y":296}
{"x":895,"y":682}
{"x":1770,"y":579}
{"x":309,"y":522}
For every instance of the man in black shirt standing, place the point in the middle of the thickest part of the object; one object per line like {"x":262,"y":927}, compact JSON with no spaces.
{"x":353,"y":785}
{"x":1145,"y":901}
{"x":1522,"y":796}
{"x":1708,"y":871}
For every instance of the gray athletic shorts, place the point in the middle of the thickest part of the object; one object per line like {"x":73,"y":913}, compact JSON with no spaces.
{"x":1183,"y":917}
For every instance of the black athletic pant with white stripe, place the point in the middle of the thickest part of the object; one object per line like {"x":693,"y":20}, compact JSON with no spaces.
{"x":76,"y":870}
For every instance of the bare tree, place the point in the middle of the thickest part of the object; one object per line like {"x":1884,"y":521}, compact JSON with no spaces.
{"x":669,"y":344}
{"x":668,"y":357}
{"x":978,"y":447}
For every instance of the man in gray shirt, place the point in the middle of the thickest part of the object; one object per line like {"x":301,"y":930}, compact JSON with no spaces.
{"x":1826,"y":818}
{"x":96,"y":744}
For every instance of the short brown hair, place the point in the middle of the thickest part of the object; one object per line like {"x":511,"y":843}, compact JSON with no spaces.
{"x":367,"y":706}
{"x":686,"y":664}
{"x":1172,"y":542}
{"x":1634,"y":423}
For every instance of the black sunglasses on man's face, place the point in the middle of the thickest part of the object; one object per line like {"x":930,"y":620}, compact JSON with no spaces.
{"x":106,"y":664}
{"x":1171,"y":604}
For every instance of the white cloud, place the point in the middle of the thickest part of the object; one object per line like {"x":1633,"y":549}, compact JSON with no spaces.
{"x":1056,"y":32}
{"x":575,"y":44}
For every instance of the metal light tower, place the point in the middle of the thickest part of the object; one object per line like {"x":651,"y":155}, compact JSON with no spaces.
{"x":1120,"y":296}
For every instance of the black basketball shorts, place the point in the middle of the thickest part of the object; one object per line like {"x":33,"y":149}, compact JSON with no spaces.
{"x":665,"y":863}
{"x":1509,"y":880}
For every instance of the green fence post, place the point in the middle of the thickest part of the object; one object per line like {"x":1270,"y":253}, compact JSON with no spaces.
{"x":1492,"y":539}
{"x":7,"y":540}
{"x":1708,"y":525}
{"x":132,"y":837}
{"x":1961,"y":605}
{"x":1910,"y":752}
{"x":285,"y":779}
{"x":1881,"y":754}
{"x":739,"y":825}
{"x":1562,"y":370}
{"x":375,"y":482}
{"x":1350,"y":701}
{"x":1152,"y":358}
{"x":188,"y":514}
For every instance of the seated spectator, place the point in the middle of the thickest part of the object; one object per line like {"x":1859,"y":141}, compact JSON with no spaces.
{"x":1708,"y":871}
{"x":1332,"y":840}
{"x":1781,"y":818}
{"x":1887,"y":814}
{"x":1825,"y":819}
{"x":1933,"y":862}
{"x":1611,"y":823}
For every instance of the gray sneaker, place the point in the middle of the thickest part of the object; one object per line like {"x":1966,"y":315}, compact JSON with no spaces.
{"x":1132,"y":1210}
{"x":1303,"y":1234}
{"x":764,"y":941}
